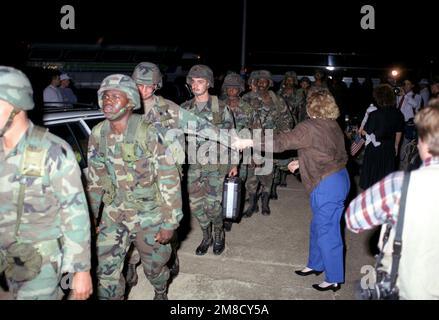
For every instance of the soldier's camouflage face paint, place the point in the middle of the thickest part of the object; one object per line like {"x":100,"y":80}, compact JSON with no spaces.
{"x":114,"y":104}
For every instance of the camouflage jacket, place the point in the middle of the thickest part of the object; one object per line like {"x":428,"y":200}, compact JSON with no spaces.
{"x":145,"y":187}
{"x":222,"y":120}
{"x":247,"y":97}
{"x":167,"y":115}
{"x":269,"y":115}
{"x":296,"y":103}
{"x":242,"y":115}
{"x":55,"y":205}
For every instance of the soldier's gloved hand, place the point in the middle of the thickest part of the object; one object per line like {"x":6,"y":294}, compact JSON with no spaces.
{"x":164,"y":236}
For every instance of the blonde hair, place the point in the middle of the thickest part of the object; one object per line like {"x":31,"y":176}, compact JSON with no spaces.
{"x":321,"y":104}
{"x":427,"y":123}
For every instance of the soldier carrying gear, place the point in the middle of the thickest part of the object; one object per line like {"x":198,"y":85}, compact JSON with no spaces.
{"x":200,"y":71}
{"x":130,"y":173}
{"x":43,"y":235}
{"x":205,"y":181}
{"x":149,"y":74}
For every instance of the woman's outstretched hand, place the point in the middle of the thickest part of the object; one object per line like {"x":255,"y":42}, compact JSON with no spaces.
{"x":241,"y":144}
{"x":293,"y":166}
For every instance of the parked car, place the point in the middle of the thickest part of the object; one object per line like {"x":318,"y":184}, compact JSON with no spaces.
{"x":74,"y":126}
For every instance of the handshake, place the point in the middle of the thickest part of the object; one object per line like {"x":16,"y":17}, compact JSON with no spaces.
{"x":241,"y":144}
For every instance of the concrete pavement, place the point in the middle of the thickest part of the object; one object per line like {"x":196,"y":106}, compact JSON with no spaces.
{"x":261,"y":255}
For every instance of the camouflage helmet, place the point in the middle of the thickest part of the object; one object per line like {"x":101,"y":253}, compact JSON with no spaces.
{"x":305,"y":79}
{"x":15,"y":88}
{"x":148,"y":73}
{"x":254,"y":75}
{"x":200,"y":71}
{"x":122,"y":83}
{"x":291,"y":74}
{"x":265,"y":74}
{"x":233,"y":80}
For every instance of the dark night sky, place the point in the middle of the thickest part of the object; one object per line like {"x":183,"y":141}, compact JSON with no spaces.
{"x":213,"y":28}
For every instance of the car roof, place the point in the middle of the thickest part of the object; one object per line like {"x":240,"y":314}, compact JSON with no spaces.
{"x":72,"y":115}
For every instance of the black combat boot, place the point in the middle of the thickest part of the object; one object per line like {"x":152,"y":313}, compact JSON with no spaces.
{"x":252,"y":206}
{"x":175,"y":267}
{"x":273,"y":194}
{"x":206,"y":242}
{"x":160,"y":295}
{"x":220,"y":240}
{"x":131,"y":277}
{"x":228,"y":225}
{"x":283,"y":178}
{"x":265,"y":199}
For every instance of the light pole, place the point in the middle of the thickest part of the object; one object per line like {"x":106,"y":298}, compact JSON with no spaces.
{"x":244,"y":36}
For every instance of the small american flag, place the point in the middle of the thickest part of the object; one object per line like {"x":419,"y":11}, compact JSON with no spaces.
{"x":356,"y":145}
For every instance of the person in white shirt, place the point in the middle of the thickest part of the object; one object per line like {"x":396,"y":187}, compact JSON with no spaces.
{"x":409,"y":104}
{"x":67,"y":93}
{"x":52,"y":95}
{"x":425,"y":92}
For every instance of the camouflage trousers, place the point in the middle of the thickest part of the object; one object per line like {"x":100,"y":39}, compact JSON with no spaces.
{"x":205,"y":195}
{"x":134,"y":256}
{"x":243,"y":172}
{"x":45,"y":286}
{"x":113,"y":243}
{"x":253,"y":181}
{"x":276,"y":175}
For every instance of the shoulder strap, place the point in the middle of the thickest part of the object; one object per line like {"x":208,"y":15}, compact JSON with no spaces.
{"x":32,"y":164}
{"x":164,"y":110}
{"x":133,"y":124}
{"x":102,"y":130}
{"x":397,"y":243}
{"x":162,"y":102}
{"x":215,"y":110}
{"x":215,"y":104}
{"x":274,"y":97}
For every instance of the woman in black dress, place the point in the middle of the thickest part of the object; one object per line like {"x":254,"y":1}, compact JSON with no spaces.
{"x":387,"y":124}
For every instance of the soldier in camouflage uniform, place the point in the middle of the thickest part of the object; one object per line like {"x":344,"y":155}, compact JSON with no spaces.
{"x":131,"y":174}
{"x":252,"y":83}
{"x":293,"y":97}
{"x":171,"y":121}
{"x":305,"y":86}
{"x":44,"y":218}
{"x":205,"y":181}
{"x":295,"y":100}
{"x":232,"y":86}
{"x":269,"y":110}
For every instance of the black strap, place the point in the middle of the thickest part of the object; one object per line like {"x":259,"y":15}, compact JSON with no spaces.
{"x":397,"y":243}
